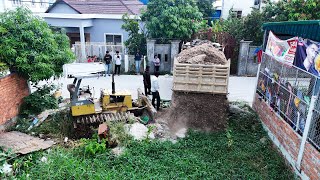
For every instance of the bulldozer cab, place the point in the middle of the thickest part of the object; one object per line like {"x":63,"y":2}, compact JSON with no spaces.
{"x":82,"y":98}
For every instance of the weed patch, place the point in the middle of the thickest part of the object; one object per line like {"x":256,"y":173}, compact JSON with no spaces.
{"x":233,"y":154}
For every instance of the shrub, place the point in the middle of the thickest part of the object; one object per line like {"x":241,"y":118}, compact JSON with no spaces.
{"x":39,"y":101}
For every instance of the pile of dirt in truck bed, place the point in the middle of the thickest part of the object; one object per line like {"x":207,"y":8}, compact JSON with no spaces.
{"x":202,"y":54}
{"x":205,"y":112}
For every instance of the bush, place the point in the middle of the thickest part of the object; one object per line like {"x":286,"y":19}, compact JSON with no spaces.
{"x":39,"y":101}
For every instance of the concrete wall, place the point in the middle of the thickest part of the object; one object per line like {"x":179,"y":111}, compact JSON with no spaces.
{"x":247,"y":65}
{"x":162,"y":50}
{"x":13,"y":89}
{"x":63,"y":8}
{"x":288,"y":141}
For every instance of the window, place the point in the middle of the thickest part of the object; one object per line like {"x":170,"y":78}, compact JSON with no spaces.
{"x":166,"y":58}
{"x":159,"y":56}
{"x":256,"y":2}
{"x":113,"y":39}
{"x":16,"y":2}
{"x":237,"y":14}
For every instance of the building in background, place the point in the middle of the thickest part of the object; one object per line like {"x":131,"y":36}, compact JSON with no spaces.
{"x":93,"y":23}
{"x":241,"y":8}
{"x":36,"y":6}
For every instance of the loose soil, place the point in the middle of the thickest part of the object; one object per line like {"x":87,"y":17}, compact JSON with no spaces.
{"x":205,"y":112}
{"x":208,"y":55}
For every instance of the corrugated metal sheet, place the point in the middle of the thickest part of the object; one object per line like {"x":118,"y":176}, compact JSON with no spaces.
{"x":304,"y":29}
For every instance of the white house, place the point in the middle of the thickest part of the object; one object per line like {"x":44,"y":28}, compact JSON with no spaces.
{"x":239,"y":7}
{"x":36,"y":6}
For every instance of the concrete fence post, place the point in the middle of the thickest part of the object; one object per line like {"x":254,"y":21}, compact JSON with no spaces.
{"x":126,"y":63}
{"x":306,"y":132}
{"x":243,"y":57}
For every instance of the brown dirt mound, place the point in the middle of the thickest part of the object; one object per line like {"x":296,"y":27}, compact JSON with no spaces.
{"x":204,"y":112}
{"x":213,"y":55}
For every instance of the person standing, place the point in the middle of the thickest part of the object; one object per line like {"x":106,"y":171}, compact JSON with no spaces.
{"x":118,"y":63}
{"x":156,"y":62}
{"x":107,"y":59}
{"x":137,"y":58}
{"x":155,"y":90}
{"x":147,"y":81}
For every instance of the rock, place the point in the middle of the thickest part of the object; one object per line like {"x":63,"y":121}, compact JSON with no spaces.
{"x":44,"y":159}
{"x":181,"y":133}
{"x":118,"y":151}
{"x":41,"y":136}
{"x":6,"y":168}
{"x":65,"y":140}
{"x":235,"y":109}
{"x":263,"y":140}
{"x":138,"y":131}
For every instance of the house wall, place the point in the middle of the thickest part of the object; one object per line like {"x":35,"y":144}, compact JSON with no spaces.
{"x":35,"y":8}
{"x":102,"y":26}
{"x":243,"y":5}
{"x":288,"y":141}
{"x":63,"y":8}
{"x":13,"y":89}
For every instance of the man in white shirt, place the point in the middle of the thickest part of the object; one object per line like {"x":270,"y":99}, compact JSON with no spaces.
{"x":118,"y":63}
{"x":155,"y":90}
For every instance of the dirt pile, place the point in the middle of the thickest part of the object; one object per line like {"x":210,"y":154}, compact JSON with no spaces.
{"x":202,"y":54}
{"x":204,"y":112}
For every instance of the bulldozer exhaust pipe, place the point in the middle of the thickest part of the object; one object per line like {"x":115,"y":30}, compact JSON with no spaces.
{"x":113,"y":85}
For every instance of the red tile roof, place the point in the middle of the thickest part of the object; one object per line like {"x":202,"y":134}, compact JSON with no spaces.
{"x":131,"y":7}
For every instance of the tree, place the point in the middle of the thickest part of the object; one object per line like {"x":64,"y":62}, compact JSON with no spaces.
{"x":206,"y":8}
{"x":137,"y":40}
{"x":29,"y":47}
{"x":171,"y":19}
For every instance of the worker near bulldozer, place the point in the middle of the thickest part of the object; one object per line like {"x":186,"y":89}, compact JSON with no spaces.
{"x":118,"y":63}
{"x":147,"y":81}
{"x":155,"y":90}
{"x":107,"y":59}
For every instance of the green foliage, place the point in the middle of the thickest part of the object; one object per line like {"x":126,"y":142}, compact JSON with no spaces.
{"x":92,"y":147}
{"x":39,"y":101}
{"x":171,"y":19}
{"x":198,"y":156}
{"x":118,"y":133}
{"x":30,"y":47}
{"x":206,"y":8}
{"x":3,"y":69}
{"x":292,"y":10}
{"x":137,"y":40}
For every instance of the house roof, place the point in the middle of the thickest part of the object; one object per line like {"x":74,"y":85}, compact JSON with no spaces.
{"x":131,"y":7}
{"x":304,"y":29}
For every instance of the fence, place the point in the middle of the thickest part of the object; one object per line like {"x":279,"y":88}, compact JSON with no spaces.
{"x":96,"y":49}
{"x":288,"y":90}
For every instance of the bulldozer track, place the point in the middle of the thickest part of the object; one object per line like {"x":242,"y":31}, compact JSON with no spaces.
{"x":103,"y":117}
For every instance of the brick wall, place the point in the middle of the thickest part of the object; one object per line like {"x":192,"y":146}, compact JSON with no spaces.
{"x":12,"y":90}
{"x":288,"y":140}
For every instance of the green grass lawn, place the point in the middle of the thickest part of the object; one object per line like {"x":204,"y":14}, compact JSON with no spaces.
{"x":236,"y":153}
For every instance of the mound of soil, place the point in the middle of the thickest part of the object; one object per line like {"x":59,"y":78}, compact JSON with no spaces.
{"x":202,"y":54}
{"x":205,"y":112}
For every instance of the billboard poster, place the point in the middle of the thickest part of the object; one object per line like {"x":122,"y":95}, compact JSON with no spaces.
{"x":308,"y":56}
{"x":282,"y":50}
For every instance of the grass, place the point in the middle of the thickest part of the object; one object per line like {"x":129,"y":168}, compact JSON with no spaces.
{"x":236,"y":153}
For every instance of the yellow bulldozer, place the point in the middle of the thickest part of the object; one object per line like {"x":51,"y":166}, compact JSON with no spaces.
{"x":111,"y":106}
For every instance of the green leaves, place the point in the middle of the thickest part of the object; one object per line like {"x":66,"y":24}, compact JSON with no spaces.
{"x":29,"y":46}
{"x":39,"y":101}
{"x":171,"y":19}
{"x":137,"y":40}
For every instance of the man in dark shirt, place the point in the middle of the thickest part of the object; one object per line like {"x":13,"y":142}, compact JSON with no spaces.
{"x":107,"y":59}
{"x":147,"y":81}
{"x":137,"y":58}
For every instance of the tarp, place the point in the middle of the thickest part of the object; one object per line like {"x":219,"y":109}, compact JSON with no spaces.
{"x":83,"y":69}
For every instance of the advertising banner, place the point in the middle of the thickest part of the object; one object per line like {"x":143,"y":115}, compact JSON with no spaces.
{"x":282,"y":50}
{"x":308,"y":56}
